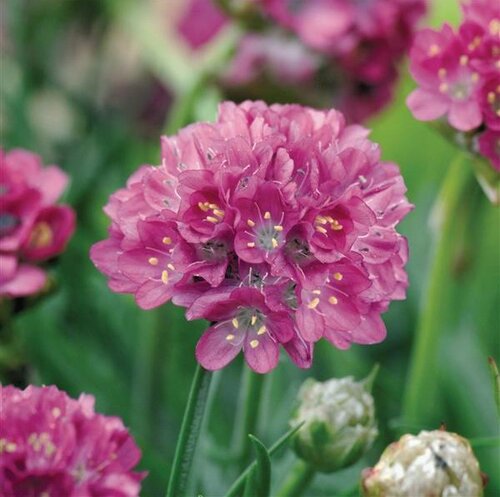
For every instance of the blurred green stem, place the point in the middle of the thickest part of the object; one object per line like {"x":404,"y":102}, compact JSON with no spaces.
{"x":190,"y":430}
{"x":299,"y":478}
{"x":247,"y":415}
{"x":420,"y":386}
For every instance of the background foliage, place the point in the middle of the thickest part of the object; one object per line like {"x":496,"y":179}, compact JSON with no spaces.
{"x":90,"y":90}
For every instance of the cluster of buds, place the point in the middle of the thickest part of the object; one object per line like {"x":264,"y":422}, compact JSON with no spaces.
{"x":338,"y":423}
{"x":52,"y":445}
{"x":276,"y":224}
{"x":32,"y":228}
{"x":431,"y":464}
{"x":319,"y":52}
{"x":458,"y":73}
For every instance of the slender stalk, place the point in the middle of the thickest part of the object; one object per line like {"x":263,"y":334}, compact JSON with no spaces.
{"x":190,"y":430}
{"x":299,"y":479}
{"x":420,"y":387}
{"x":247,"y":415}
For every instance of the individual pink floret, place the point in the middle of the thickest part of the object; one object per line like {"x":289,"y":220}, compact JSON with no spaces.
{"x":275,"y":223}
{"x":32,"y":228}
{"x":51,"y":444}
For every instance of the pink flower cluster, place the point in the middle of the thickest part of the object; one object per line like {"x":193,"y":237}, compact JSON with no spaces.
{"x":458,"y":73}
{"x":32,"y":228}
{"x":353,"y":47}
{"x":54,"y":446}
{"x":275,"y":223}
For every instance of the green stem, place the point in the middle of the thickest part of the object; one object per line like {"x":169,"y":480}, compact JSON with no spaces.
{"x":247,"y":415}
{"x":190,"y":430}
{"x":421,"y":382}
{"x":298,"y":480}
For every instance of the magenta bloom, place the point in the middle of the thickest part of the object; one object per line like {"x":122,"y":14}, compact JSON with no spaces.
{"x":458,"y":74}
{"x":32,"y":228}
{"x":346,"y":52}
{"x":53,"y":445}
{"x":275,"y":223}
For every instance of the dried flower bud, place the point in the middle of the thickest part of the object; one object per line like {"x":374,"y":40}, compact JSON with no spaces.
{"x":431,"y":464}
{"x":339,"y":423}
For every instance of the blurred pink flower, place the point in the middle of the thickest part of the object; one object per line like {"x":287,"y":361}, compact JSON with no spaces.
{"x":346,"y":52}
{"x":200,"y":22}
{"x":458,"y":74}
{"x":276,"y":223}
{"x":32,"y":228}
{"x":53,"y":445}
{"x":489,"y":146}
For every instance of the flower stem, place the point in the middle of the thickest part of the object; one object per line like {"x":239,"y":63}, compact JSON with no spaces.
{"x":298,"y":480}
{"x":190,"y":430}
{"x":420,"y":387}
{"x":247,"y":415}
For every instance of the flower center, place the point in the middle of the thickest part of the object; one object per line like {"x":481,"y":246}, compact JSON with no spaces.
{"x":41,"y":236}
{"x":8,"y":223}
{"x":213,"y":250}
{"x":268,"y":235}
{"x":323,"y":223}
{"x":248,"y":320}
{"x":214,"y":213}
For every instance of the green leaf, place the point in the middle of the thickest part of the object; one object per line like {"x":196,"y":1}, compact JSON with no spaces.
{"x":496,"y":381}
{"x":241,"y":480}
{"x":258,"y":482}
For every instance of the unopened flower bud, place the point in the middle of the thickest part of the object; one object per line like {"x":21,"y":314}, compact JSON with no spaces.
{"x":431,"y":464}
{"x":339,"y":423}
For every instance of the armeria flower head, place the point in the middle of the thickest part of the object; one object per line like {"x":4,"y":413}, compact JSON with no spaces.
{"x":458,"y":73}
{"x":351,"y":48}
{"x":52,"y":445}
{"x":275,"y":223}
{"x":32,"y":228}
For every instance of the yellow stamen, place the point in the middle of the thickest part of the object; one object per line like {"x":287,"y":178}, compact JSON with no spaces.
{"x":171,"y":266}
{"x":464,"y":60}
{"x":321,"y":220}
{"x":274,"y":242}
{"x":433,"y":50}
{"x":213,"y":206}
{"x":338,"y":276}
{"x":229,"y":337}
{"x":261,"y":330}
{"x":253,"y":320}
{"x":164,"y":277}
{"x":250,"y":223}
{"x":333,"y":300}
{"x":442,"y":72}
{"x":443,"y":87}
{"x":494,"y":27}
{"x":212,"y":219}
{"x":10,"y":447}
{"x":254,"y":343}
{"x":167,"y":240}
{"x":316,"y":292}
{"x":56,"y":412}
{"x":218,"y":212}
{"x":491,"y":97}
{"x":278,"y":227}
{"x":41,"y":236}
{"x":474,"y":77}
{"x":267,"y":215}
{"x":321,"y":229}
{"x":235,"y":323}
{"x":203,"y":206}
{"x":313,"y":304}
{"x":337,"y":227}
{"x":153,"y":261}
{"x":251,"y":244}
